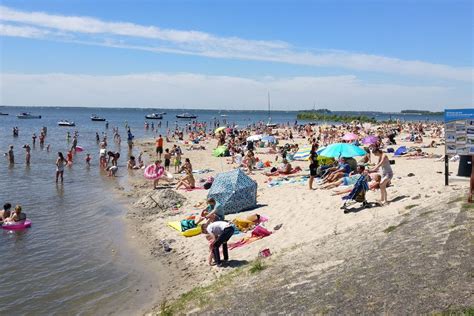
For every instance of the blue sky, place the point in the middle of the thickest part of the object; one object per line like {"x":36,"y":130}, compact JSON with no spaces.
{"x":214,"y":54}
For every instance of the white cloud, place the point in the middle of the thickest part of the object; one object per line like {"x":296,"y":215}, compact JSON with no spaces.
{"x":94,"y":31}
{"x":22,"y":31}
{"x":218,"y":92}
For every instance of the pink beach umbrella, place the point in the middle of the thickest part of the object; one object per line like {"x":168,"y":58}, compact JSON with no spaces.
{"x":350,"y":137}
{"x":370,"y":140}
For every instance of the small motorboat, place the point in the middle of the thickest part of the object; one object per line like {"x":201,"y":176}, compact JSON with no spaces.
{"x":186,"y":116}
{"x":1,"y":113}
{"x":154,"y":116}
{"x":66,"y":123}
{"x":97,"y":118}
{"x":28,"y":115}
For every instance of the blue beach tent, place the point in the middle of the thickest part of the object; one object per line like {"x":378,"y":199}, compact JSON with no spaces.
{"x":235,"y":191}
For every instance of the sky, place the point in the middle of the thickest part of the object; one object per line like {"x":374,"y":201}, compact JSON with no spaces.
{"x":382,"y":55}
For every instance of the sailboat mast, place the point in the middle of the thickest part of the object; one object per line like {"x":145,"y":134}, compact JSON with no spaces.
{"x":269,"y":117}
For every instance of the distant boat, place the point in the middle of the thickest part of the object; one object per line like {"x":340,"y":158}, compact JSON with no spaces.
{"x":1,"y":113}
{"x":27,"y":115}
{"x":96,"y":118}
{"x":223,"y":115}
{"x":154,"y":116}
{"x":66,"y":123}
{"x":186,"y":116}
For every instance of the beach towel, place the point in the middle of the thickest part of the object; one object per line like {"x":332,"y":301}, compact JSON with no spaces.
{"x":258,"y":232}
{"x":193,"y":189}
{"x":302,"y":154}
{"x":201,"y":171}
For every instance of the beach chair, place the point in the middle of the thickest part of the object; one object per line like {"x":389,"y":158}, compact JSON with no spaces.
{"x":358,"y":192}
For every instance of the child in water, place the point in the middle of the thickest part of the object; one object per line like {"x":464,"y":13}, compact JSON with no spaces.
{"x":88,"y":160}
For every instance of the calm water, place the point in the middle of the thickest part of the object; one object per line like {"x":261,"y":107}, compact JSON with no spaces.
{"x":75,"y":258}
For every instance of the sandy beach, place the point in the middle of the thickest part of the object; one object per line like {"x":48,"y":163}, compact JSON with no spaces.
{"x":301,"y":216}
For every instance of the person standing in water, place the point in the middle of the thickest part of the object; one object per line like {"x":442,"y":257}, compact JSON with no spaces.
{"x":74,"y":143}
{"x":11,"y":155}
{"x":28,"y":154}
{"x":60,"y":163}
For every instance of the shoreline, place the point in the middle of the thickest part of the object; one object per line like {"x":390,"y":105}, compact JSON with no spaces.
{"x":187,"y":260}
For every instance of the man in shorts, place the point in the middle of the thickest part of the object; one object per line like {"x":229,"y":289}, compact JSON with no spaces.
{"x":159,"y":146}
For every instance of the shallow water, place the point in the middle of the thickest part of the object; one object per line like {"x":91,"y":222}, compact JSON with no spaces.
{"x":75,"y":258}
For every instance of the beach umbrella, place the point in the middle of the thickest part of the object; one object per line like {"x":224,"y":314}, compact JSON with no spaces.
{"x":234,"y":190}
{"x":219,"y":129}
{"x":268,"y":139}
{"x":254,"y":138}
{"x":370,"y":140}
{"x":342,"y":150}
{"x":350,"y":137}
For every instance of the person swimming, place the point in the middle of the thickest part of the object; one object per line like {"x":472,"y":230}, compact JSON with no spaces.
{"x":6,"y":212}
{"x":16,"y":216}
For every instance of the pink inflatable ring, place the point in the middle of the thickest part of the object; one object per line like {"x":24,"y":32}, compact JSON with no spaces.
{"x":152,"y":174}
{"x":18,"y":225}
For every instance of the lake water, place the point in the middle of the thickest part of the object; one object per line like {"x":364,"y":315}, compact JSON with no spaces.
{"x":76,"y":259}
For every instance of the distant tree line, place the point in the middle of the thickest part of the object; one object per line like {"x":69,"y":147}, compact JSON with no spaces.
{"x":324,"y":116}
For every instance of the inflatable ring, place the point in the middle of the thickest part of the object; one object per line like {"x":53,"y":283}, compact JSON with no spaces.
{"x":16,"y":226}
{"x":152,"y":174}
{"x":79,"y":149}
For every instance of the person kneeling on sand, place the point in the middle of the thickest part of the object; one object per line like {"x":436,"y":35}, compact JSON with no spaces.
{"x":212,"y":213}
{"x":218,"y":234}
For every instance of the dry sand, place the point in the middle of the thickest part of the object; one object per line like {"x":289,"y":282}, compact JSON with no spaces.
{"x":305,"y":215}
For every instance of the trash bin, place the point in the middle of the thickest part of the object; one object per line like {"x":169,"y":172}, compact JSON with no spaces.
{"x":465,"y":166}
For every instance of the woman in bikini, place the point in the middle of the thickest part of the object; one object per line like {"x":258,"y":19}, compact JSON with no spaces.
{"x":387,"y":173}
{"x":188,"y":181}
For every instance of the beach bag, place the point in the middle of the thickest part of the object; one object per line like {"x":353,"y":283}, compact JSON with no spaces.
{"x":260,"y":231}
{"x":360,"y":197}
{"x":390,"y":150}
{"x":187,"y":224}
{"x":207,"y":185}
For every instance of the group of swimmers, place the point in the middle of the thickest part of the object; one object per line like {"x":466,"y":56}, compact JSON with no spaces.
{"x":7,"y":216}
